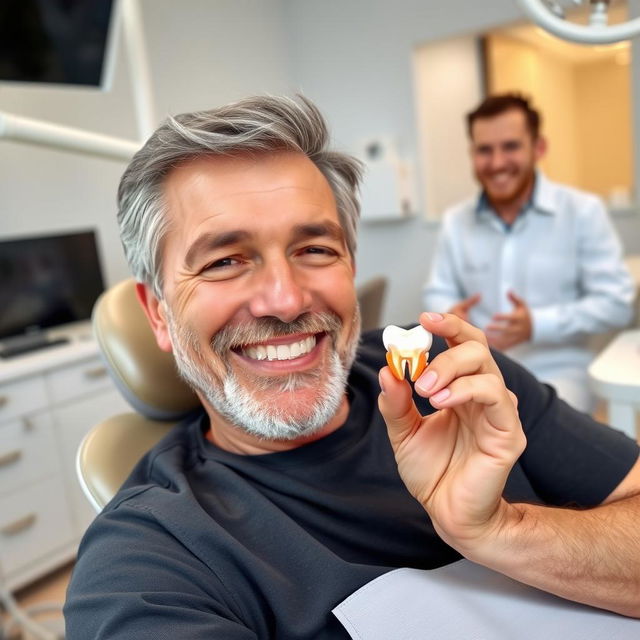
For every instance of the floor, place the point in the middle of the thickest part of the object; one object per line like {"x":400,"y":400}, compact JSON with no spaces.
{"x":50,"y":589}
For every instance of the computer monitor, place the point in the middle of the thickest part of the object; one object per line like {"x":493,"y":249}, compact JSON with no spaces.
{"x":46,"y":281}
{"x":69,"y":42}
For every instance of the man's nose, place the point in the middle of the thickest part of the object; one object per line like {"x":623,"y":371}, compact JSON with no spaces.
{"x":498,"y":160}
{"x":280,"y":292}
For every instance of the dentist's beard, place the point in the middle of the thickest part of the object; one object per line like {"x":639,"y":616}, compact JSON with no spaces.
{"x":291,"y":414}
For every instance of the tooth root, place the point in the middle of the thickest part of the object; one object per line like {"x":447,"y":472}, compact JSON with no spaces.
{"x":396,"y":363}
{"x":415,"y":360}
{"x":417,"y":365}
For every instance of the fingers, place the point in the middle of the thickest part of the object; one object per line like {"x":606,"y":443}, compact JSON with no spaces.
{"x":499,"y":408}
{"x":466,"y":359}
{"x":397,"y":406}
{"x":452,"y":328}
{"x":485,"y":389}
{"x":471,"y":301}
{"x":501,"y":319}
{"x":515,"y":299}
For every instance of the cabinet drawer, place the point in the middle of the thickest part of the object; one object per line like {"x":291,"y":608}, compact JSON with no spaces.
{"x":27,"y":451}
{"x":77,"y":380}
{"x":34,"y":522}
{"x":22,"y":396}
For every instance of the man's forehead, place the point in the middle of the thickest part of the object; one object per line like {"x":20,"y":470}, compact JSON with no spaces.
{"x":510,"y":123}
{"x":243,"y":169}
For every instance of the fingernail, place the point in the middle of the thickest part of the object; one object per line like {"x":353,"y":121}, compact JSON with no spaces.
{"x":442,"y":395}
{"x":435,"y":317}
{"x":380,"y":382}
{"x":426,"y":381}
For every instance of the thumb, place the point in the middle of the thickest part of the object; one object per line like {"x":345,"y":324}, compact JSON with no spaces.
{"x":397,"y":407}
{"x":517,"y":300}
{"x":471,"y":301}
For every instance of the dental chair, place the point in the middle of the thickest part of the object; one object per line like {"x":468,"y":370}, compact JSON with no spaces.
{"x":148,"y":379}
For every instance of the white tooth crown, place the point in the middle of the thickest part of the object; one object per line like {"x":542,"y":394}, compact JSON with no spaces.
{"x":407,"y":347}
{"x":281,"y":351}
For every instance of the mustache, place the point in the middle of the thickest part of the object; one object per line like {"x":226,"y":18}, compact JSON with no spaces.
{"x":263,"y":329}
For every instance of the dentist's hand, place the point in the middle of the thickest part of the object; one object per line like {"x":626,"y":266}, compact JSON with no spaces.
{"x":455,"y":462}
{"x":464,"y":306}
{"x":507,"y":330}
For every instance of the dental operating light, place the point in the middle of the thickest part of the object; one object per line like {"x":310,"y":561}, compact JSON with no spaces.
{"x":549,"y":14}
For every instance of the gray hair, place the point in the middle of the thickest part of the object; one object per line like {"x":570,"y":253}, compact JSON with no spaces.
{"x":257,"y":125}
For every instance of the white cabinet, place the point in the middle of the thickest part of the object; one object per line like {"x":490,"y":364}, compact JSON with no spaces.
{"x":48,"y":401}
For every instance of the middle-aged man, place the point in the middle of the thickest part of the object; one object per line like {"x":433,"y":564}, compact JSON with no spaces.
{"x":287,"y":492}
{"x":536,"y":264}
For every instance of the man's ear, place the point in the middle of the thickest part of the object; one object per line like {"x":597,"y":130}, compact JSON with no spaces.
{"x":154,"y":310}
{"x":540,"y":147}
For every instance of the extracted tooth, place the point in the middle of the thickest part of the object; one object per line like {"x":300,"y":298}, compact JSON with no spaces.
{"x":407,"y":347}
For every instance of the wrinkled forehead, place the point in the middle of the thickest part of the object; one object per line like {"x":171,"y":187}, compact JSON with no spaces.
{"x":210,"y":181}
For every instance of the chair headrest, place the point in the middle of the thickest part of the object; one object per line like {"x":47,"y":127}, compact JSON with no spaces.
{"x":145,"y":375}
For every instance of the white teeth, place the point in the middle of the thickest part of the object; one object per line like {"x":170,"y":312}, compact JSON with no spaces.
{"x":407,"y":347}
{"x":281,"y":351}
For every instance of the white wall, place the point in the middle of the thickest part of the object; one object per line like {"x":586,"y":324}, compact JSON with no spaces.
{"x":447,"y":84}
{"x":353,"y":57}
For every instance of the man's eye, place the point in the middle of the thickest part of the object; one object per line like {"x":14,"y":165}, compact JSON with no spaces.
{"x":318,"y":255}
{"x":320,"y":250}
{"x":222,"y":263}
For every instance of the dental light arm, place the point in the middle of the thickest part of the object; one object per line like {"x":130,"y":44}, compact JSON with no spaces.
{"x":49,"y":134}
{"x":596,"y":32}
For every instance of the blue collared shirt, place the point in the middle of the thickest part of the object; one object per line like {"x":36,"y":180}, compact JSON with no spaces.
{"x":561,"y":255}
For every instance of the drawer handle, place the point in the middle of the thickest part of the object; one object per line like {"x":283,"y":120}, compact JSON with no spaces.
{"x":9,"y":458}
{"x":96,"y":372}
{"x":19,"y":525}
{"x":4,"y":401}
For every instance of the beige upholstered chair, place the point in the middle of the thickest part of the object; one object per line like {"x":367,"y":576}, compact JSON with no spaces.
{"x":371,"y":297}
{"x":148,"y":380}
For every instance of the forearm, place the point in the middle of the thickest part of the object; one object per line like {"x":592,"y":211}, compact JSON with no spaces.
{"x":590,"y":556}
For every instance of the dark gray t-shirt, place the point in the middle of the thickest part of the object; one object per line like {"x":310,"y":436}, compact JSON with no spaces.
{"x":201,"y":543}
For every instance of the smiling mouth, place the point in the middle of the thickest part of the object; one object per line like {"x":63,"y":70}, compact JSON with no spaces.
{"x":286,"y":351}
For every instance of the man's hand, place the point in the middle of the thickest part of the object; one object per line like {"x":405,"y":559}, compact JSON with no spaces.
{"x":463,"y":307}
{"x":455,"y":462}
{"x":509,"y":329}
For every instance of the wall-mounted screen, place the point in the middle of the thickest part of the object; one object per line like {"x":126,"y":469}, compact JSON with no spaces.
{"x":47,"y":281}
{"x":56,"y":41}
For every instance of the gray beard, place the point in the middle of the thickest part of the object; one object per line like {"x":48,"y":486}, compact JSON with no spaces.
{"x":237,"y":404}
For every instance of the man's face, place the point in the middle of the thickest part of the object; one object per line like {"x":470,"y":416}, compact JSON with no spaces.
{"x":260,"y":308}
{"x":504,"y":156}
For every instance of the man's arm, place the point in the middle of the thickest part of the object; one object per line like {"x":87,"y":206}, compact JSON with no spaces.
{"x":591,"y":556}
{"x":456,"y":461}
{"x":606,"y":288}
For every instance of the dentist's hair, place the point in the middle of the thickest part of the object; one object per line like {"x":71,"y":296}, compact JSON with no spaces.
{"x":497,"y":104}
{"x":260,"y":124}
